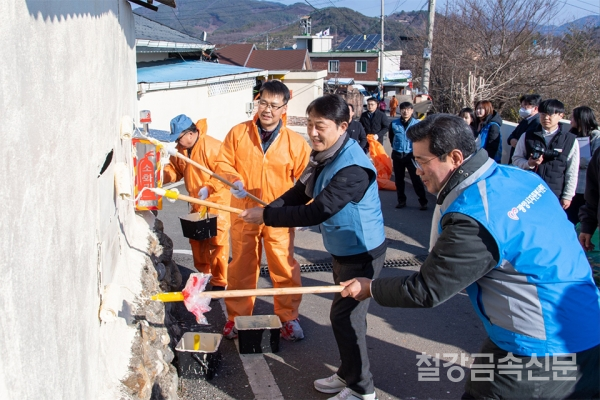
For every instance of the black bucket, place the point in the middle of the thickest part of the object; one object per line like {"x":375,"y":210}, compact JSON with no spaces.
{"x":258,"y":333}
{"x":198,"y":228}
{"x":201,"y":363}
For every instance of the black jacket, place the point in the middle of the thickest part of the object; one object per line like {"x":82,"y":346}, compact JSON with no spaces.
{"x":377,"y":124}
{"x":357,"y":132}
{"x":589,"y":213}
{"x":527,"y":124}
{"x":348,"y":185}
{"x":492,"y":142}
{"x":552,"y":170}
{"x":464,"y":252}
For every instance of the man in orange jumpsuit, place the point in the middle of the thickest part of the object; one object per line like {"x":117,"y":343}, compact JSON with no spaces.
{"x":393,"y":106}
{"x":265,"y":158}
{"x":210,"y":255}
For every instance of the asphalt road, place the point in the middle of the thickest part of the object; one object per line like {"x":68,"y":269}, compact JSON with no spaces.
{"x":396,"y":337}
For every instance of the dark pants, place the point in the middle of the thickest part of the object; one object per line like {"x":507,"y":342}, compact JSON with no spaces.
{"x":573,"y":210}
{"x":349,"y":322}
{"x":402,"y":162}
{"x":547,"y":384}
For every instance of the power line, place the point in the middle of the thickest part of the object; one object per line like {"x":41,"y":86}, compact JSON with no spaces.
{"x":581,"y":8}
{"x":340,"y":11}
{"x":590,"y":4}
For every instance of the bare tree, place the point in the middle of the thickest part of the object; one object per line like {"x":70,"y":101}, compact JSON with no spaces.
{"x":492,"y":49}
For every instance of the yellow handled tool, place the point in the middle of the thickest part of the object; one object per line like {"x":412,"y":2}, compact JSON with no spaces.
{"x":172,"y":194}
{"x":177,"y":154}
{"x":178,"y":296}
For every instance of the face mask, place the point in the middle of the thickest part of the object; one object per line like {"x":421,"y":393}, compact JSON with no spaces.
{"x":524,"y":112}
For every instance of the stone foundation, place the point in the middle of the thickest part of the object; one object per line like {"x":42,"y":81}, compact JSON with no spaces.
{"x":151,"y":374}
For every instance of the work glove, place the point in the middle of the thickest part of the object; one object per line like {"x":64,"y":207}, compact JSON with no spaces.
{"x":203,"y":193}
{"x":238,"y":190}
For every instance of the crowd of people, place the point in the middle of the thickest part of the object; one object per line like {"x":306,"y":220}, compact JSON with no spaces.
{"x":531,"y":287}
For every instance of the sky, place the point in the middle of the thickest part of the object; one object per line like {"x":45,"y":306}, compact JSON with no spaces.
{"x":573,"y":9}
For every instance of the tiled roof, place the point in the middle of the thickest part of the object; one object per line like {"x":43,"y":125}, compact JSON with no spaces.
{"x":149,"y":33}
{"x":234,"y":54}
{"x":279,"y":59}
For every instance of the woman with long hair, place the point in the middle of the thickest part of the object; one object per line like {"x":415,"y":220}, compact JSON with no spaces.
{"x":468,"y":115}
{"x":488,"y":129}
{"x":583,"y":124}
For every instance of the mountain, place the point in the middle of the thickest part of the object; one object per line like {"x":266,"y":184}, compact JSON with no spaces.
{"x":581,"y":23}
{"x":227,"y":22}
{"x":262,"y":22}
{"x":256,"y":22}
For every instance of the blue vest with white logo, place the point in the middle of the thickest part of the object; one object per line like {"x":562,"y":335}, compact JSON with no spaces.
{"x":401,"y":143}
{"x":358,"y":227}
{"x":541,"y":297}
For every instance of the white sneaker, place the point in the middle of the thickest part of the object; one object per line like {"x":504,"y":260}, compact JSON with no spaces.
{"x":349,"y":394}
{"x":332,"y":384}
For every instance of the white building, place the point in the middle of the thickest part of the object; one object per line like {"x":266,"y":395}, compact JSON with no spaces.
{"x":68,"y":83}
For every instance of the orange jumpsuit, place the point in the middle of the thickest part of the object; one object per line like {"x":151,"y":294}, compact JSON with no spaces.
{"x":266,"y":176}
{"x":393,"y":106}
{"x":210,"y":255}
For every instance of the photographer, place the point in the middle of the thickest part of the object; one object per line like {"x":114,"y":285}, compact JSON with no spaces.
{"x":551,"y":153}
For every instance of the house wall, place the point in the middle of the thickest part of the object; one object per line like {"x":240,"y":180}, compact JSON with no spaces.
{"x":224,"y":105}
{"x":68,"y":75}
{"x":305,"y":87}
{"x":348,"y":67}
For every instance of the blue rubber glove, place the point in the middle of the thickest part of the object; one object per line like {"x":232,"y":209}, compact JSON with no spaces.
{"x":203,"y":193}
{"x":238,"y":190}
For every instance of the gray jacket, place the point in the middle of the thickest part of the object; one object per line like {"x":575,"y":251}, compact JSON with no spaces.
{"x":583,"y":163}
{"x":437,"y":280}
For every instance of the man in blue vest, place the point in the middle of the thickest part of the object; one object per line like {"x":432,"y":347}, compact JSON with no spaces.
{"x":342,"y":184}
{"x":402,"y":156}
{"x":500,"y":233}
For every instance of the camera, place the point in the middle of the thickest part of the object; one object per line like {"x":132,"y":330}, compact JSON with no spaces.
{"x":539,"y":150}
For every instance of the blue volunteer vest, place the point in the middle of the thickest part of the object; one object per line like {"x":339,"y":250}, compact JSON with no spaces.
{"x":401,"y":143}
{"x":358,"y":227}
{"x":540,"y":298}
{"x":484,"y":134}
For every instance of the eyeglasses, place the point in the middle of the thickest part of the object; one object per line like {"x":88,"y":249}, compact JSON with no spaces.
{"x":420,"y":166}
{"x":273,"y":107}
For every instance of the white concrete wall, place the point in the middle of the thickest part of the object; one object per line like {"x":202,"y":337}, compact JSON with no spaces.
{"x":67,"y":77}
{"x":305,"y":86}
{"x":222,"y":111}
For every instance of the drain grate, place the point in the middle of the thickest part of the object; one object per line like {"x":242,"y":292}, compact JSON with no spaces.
{"x":415,"y":261}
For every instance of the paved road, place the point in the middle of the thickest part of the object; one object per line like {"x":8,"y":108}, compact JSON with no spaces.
{"x":395,"y":336}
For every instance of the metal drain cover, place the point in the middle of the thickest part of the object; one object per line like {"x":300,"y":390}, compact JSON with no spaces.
{"x":415,"y":261}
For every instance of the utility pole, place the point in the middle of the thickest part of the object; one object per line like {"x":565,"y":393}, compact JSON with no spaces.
{"x":267,"y":41}
{"x":381,"y":48}
{"x":427,"y":50}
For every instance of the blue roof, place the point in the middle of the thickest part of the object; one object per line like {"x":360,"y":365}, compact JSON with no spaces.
{"x":179,"y":70}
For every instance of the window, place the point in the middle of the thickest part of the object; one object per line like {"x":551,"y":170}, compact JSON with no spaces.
{"x":361,"y":67}
{"x":334,"y":66}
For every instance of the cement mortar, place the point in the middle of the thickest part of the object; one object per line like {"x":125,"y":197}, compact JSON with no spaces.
{"x":151,"y":374}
